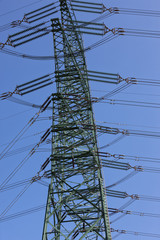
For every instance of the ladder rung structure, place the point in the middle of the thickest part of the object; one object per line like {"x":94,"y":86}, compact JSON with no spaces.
{"x":88,"y":7}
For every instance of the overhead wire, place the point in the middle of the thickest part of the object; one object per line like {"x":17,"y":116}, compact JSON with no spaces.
{"x":116,"y":219}
{"x":20,"y":183}
{"x":15,"y":185}
{"x":24,"y":160}
{"x":113,"y":92}
{"x":128,"y":212}
{"x":117,"y":235}
{"x":153,"y":235}
{"x":122,"y":179}
{"x":124,"y":195}
{"x":14,"y":115}
{"x":127,"y":124}
{"x":3,"y":14}
{"x":126,"y":132}
{"x":25,"y":128}
{"x":42,"y":207}
{"x":29,"y":136}
{"x":117,"y":157}
{"x":119,"y":138}
{"x":128,"y":203}
{"x":29,"y":18}
{"x":22,"y":102}
{"x":19,"y":150}
{"x":115,"y":33}
{"x":132,"y":11}
{"x":15,"y":200}
{"x":129,"y":93}
{"x":30,"y":86}
{"x":107,"y":12}
{"x":22,"y":213}
{"x":126,"y":166}
{"x":132,"y":103}
{"x":29,"y":183}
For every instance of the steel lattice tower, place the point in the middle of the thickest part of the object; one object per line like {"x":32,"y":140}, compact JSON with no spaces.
{"x":76,"y":205}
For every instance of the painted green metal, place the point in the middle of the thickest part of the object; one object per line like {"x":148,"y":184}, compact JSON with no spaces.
{"x":76,"y":205}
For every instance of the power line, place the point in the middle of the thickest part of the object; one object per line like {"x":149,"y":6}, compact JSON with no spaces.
{"x":42,"y":207}
{"x":122,"y":180}
{"x":130,"y":11}
{"x":131,"y":103}
{"x":22,"y":213}
{"x":15,"y":185}
{"x":118,"y":156}
{"x":25,"y":128}
{"x":128,"y":212}
{"x":17,"y":9}
{"x":15,"y":200}
{"x":129,"y":93}
{"x":29,"y":136}
{"x":14,"y":115}
{"x":20,"y":165}
{"x":153,"y":235}
{"x":126,"y":124}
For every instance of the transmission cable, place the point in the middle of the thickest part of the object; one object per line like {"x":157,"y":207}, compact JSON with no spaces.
{"x":15,"y":200}
{"x":126,"y":124}
{"x":34,"y":179}
{"x":14,"y":115}
{"x":42,"y":207}
{"x":15,"y":185}
{"x":22,"y":213}
{"x":25,"y":128}
{"x":29,"y":136}
{"x":128,"y":212}
{"x":119,"y":138}
{"x":153,"y":235}
{"x":20,"y":165}
{"x":20,"y":8}
{"x":118,"y":157}
{"x":122,"y":179}
{"x":22,"y":102}
{"x":131,"y":11}
{"x":130,"y":103}
{"x":18,"y":151}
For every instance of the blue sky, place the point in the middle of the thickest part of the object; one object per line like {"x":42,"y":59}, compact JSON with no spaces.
{"x":127,"y":56}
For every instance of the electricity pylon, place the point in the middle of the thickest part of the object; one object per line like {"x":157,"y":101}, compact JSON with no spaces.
{"x":76,"y":205}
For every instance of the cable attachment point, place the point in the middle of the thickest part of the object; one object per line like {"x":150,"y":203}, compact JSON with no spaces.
{"x":106,"y":29}
{"x":135,"y":196}
{"x":130,"y":80}
{"x":134,"y":80}
{"x":115,"y":31}
{"x":8,"y":42}
{"x":112,"y":101}
{"x":118,"y":156}
{"x":104,"y":9}
{"x":120,"y":31}
{"x":113,"y":10}
{"x":36,"y":178}
{"x":125,"y":132}
{"x":138,"y":168}
{"x":120,"y":79}
{"x":5,"y":95}
{"x":16,"y":91}
{"x":18,"y":22}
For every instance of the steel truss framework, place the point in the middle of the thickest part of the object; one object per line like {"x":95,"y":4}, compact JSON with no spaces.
{"x":76,"y":205}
